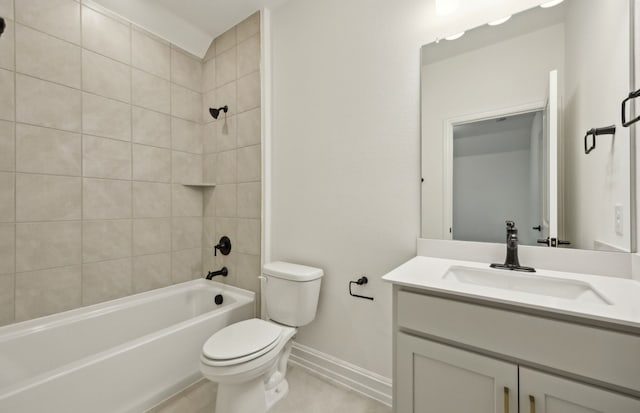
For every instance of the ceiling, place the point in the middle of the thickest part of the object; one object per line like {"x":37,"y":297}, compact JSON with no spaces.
{"x":192,"y":24}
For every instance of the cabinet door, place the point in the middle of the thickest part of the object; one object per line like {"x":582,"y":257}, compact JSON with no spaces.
{"x":545,"y":393}
{"x":434,"y":378}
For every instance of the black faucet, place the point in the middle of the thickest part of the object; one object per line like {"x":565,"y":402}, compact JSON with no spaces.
{"x":511,"y":262}
{"x":224,"y":272}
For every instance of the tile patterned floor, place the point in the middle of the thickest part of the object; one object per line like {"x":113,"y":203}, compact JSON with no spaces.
{"x":307,"y":394}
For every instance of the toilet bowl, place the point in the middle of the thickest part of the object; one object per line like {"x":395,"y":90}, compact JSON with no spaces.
{"x":249,"y":359}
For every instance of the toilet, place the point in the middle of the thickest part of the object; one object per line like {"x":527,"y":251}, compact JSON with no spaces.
{"x":249,"y":359}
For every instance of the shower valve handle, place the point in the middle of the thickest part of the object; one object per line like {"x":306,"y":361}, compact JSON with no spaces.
{"x":224,"y":246}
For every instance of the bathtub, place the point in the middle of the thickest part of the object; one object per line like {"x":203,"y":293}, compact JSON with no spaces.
{"x":125,"y":355}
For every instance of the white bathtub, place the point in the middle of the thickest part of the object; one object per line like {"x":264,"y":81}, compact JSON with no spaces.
{"x":125,"y":355}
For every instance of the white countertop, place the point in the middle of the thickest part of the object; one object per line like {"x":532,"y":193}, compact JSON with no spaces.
{"x":623,"y":295}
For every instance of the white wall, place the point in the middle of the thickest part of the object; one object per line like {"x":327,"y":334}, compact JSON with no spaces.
{"x":346,"y":153}
{"x":595,"y":183}
{"x":497,"y":77}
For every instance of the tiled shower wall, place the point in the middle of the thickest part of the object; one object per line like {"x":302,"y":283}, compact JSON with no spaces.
{"x":100,"y":124}
{"x":232,"y":153}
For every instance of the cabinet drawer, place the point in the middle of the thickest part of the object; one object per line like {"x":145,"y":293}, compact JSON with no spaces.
{"x":603,"y":355}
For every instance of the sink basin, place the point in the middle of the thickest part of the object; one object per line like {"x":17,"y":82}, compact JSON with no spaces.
{"x":533,"y":284}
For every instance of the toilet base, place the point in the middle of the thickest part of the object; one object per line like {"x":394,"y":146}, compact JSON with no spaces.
{"x":249,"y":396}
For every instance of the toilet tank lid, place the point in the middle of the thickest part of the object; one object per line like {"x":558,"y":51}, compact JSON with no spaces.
{"x":293,"y":272}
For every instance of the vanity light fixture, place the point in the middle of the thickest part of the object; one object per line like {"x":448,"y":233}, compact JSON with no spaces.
{"x":499,"y":21}
{"x":551,"y":3}
{"x":455,"y":36}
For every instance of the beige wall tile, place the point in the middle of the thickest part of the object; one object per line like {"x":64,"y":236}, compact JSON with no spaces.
{"x":186,"y":136}
{"x":106,"y":158}
{"x":105,"y":77}
{"x":209,"y":75}
{"x":150,"y":54}
{"x":151,"y":128}
{"x":106,"y":280}
{"x":7,"y":45}
{"x":209,"y":234}
{"x":226,"y":200}
{"x":105,"y":35}
{"x":226,"y":95}
{"x":226,"y":131}
{"x":7,"y":145}
{"x":185,"y":103}
{"x":226,"y":164}
{"x":151,"y":92}
{"x":186,"y":70}
{"x":6,"y":9}
{"x":226,"y":226}
{"x":209,"y":202}
{"x":249,"y":56}
{"x":106,"y":199}
{"x":186,"y":232}
{"x":7,"y":95}
{"x":248,"y":27}
{"x":186,"y":265}
{"x":151,"y":200}
{"x":187,"y":202}
{"x":47,"y":245}
{"x":106,"y":240}
{"x":209,"y":167}
{"x":46,"y":57}
{"x":7,"y":288}
{"x":151,"y":236}
{"x":209,"y":133}
{"x":249,"y":164}
{"x":225,"y":41}
{"x":47,"y":198}
{"x":45,"y":150}
{"x":211,"y":51}
{"x":47,"y":104}
{"x":249,"y":92}
{"x":151,"y":272}
{"x":106,"y":117}
{"x":226,"y":67}
{"x":248,"y":236}
{"x":7,"y":197}
{"x":249,"y":200}
{"x":151,"y":163}
{"x":7,"y":248}
{"x":187,"y":167}
{"x":60,"y":18}
{"x":249,"y":130}
{"x":41,"y":293}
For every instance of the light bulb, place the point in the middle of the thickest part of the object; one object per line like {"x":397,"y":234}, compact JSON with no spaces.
{"x":499,"y":21}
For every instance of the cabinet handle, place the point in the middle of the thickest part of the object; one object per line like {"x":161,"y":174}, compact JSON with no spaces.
{"x":532,"y":404}
{"x":506,"y":400}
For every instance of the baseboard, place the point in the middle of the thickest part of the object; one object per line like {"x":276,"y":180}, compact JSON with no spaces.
{"x":342,"y":373}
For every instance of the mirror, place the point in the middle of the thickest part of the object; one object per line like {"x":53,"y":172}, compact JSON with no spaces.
{"x":505,"y":110}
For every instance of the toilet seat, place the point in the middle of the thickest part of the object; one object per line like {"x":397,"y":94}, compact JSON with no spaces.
{"x":241,"y":342}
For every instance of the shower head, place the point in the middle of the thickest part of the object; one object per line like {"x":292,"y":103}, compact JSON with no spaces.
{"x":2,"y":25}
{"x":216,"y":112}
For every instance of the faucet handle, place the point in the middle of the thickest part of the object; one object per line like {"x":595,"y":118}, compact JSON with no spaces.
{"x":510,"y":224}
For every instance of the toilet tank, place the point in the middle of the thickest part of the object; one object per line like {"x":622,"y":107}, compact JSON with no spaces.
{"x":291,"y":292}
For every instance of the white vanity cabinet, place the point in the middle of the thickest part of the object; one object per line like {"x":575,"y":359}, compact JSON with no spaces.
{"x":456,"y":355}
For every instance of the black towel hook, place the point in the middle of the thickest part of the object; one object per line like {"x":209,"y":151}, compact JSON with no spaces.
{"x":625,"y":122}
{"x":593,"y":132}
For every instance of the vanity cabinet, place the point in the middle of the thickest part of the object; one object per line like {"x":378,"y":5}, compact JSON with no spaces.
{"x":456,"y":356}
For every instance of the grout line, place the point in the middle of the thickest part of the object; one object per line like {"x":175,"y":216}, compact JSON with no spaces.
{"x":131,"y":234}
{"x":15,"y":164}
{"x":82,"y":211}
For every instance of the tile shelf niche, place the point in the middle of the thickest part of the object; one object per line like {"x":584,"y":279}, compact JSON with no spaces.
{"x":200,"y":184}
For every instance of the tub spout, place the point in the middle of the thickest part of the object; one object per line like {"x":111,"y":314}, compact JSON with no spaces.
{"x":224,"y":272}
